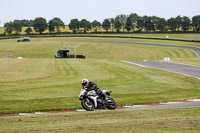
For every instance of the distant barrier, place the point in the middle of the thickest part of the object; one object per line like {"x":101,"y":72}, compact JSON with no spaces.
{"x":100,"y":36}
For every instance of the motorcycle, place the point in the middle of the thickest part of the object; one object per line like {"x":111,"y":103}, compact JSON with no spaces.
{"x":91,"y":101}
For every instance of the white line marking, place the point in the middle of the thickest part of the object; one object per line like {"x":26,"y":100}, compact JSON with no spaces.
{"x":162,"y":69}
{"x":173,"y":103}
{"x":184,"y":64}
{"x":80,"y":110}
{"x":26,"y":114}
{"x":127,"y":106}
{"x":138,"y":105}
{"x":134,"y":63}
{"x":194,"y":100}
{"x":180,"y":73}
{"x":195,"y":52}
{"x":39,"y":113}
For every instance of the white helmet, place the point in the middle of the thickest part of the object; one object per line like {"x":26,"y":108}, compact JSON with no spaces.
{"x":84,"y":82}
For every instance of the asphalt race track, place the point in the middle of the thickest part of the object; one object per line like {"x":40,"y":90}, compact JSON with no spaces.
{"x":175,"y":104}
{"x":188,"y":70}
{"x":185,"y":69}
{"x":195,"y":49}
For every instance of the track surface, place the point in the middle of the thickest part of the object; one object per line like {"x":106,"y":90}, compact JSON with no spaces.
{"x":187,"y":103}
{"x":195,"y":49}
{"x":188,"y":70}
{"x":175,"y":104}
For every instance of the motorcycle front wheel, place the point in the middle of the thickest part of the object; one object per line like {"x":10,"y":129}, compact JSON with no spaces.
{"x":87,"y":104}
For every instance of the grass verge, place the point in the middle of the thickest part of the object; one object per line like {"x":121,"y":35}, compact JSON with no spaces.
{"x":168,"y":120}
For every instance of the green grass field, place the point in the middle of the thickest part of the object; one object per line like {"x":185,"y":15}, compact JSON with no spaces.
{"x":47,"y":47}
{"x":162,"y":35}
{"x":181,"y":36}
{"x":172,"y":120}
{"x":39,"y":82}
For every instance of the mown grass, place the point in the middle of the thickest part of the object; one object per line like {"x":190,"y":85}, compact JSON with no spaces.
{"x":95,"y":48}
{"x":39,"y":82}
{"x":162,"y":35}
{"x":192,"y":61}
{"x":176,"y":120}
{"x":54,"y":84}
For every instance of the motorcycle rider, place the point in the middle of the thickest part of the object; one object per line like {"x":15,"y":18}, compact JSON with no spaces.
{"x":89,"y":85}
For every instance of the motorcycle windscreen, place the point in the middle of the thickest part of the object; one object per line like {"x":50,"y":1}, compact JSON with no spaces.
{"x":82,"y":92}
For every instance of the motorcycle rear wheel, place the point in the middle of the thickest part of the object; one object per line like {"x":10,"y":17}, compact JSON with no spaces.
{"x":111,"y":105}
{"x":87,"y":104}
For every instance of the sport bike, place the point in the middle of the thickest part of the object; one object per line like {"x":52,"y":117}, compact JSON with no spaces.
{"x":91,"y":101}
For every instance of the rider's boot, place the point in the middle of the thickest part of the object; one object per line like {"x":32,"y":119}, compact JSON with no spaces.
{"x":104,"y":97}
{"x":100,"y":93}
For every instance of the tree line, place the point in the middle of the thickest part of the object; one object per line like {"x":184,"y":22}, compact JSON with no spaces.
{"x":121,"y":23}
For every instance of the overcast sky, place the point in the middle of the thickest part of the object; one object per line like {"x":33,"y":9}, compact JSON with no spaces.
{"x":94,"y":9}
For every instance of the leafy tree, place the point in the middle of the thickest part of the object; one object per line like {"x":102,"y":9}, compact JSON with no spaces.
{"x":161,"y":24}
{"x":40,"y":24}
{"x":158,"y":24}
{"x":122,"y":19}
{"x":96,"y":25}
{"x":56,"y":23}
{"x":74,"y":25}
{"x":25,"y":23}
{"x":133,"y":18}
{"x":8,"y":27}
{"x":140,"y":23}
{"x":17,"y":27}
{"x":178,"y":22}
{"x":196,"y":22}
{"x":155,"y":22}
{"x":128,"y":24}
{"x":51,"y":26}
{"x":118,"y":23}
{"x":106,"y":24}
{"x":86,"y":25}
{"x":185,"y":23}
{"x":172,"y":24}
{"x":148,"y":23}
{"x":13,"y":27}
{"x":112,"y":22}
{"x":28,"y":30}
